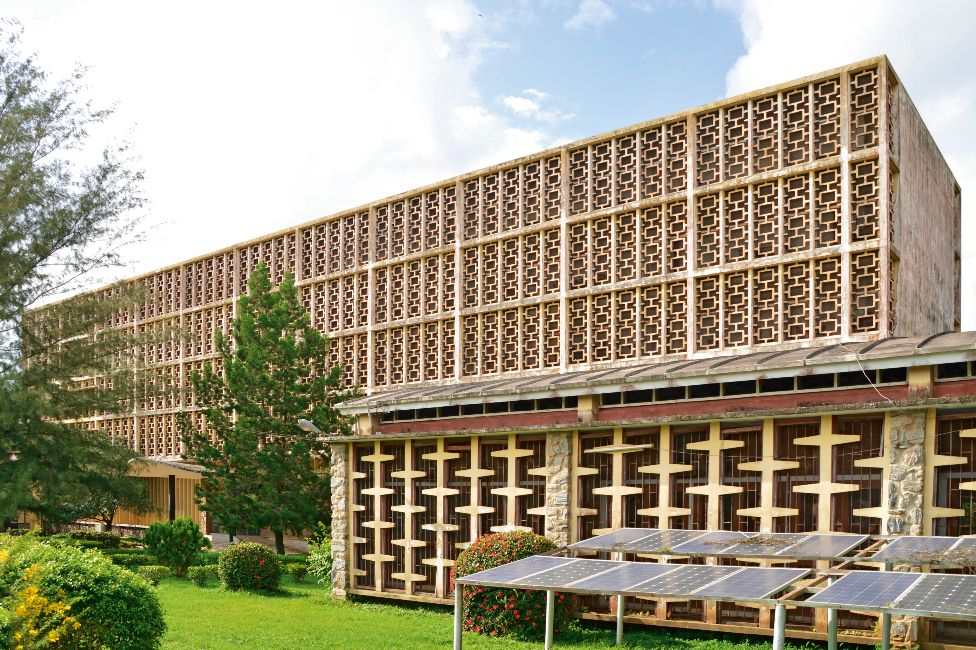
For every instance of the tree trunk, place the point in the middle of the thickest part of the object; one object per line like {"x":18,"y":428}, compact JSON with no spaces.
{"x":279,"y":542}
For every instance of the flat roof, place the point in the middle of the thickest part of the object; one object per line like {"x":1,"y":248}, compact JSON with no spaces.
{"x":891,"y":352}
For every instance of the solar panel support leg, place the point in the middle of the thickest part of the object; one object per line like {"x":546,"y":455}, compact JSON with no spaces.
{"x":886,"y":632}
{"x":831,"y":625}
{"x":550,"y":617}
{"x":779,"y":627}
{"x":620,"y":619}
{"x":457,"y":616}
{"x":620,"y":609}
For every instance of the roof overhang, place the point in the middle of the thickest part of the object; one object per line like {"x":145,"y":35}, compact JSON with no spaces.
{"x":894,"y":352}
{"x":152,"y":468}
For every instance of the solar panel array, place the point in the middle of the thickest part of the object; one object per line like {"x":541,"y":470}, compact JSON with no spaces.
{"x":640,"y":578}
{"x":724,"y":543}
{"x":916,"y":594}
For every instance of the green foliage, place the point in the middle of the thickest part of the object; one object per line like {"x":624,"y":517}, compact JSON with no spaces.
{"x":320,"y":560}
{"x":260,"y":469}
{"x":115,"y":607}
{"x":104,"y":539}
{"x":132,"y":560}
{"x":62,"y":225}
{"x":201,"y":575}
{"x":513,"y":612}
{"x":293,"y":559}
{"x":250,"y":566}
{"x":206,"y":558}
{"x":154,"y":573}
{"x":175,"y":544}
{"x":298,"y":572}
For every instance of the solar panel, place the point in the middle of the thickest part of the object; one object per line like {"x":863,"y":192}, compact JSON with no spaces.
{"x":905,"y":549}
{"x":624,"y":577}
{"x":709,"y":543}
{"x":945,"y":594}
{"x":505,"y":574}
{"x":823,"y":546}
{"x":866,"y":589}
{"x":609,"y":541}
{"x":662,"y":542}
{"x":565,"y":574}
{"x":752,"y":583}
{"x":684,"y":582}
{"x":965,"y":542}
{"x":765,"y":544}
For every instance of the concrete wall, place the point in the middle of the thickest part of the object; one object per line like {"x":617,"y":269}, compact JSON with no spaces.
{"x":927,"y":227}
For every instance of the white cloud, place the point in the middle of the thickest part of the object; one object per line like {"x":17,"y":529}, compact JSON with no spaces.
{"x":930,"y":46}
{"x":591,"y":13}
{"x":530,"y":105}
{"x":249,"y":120}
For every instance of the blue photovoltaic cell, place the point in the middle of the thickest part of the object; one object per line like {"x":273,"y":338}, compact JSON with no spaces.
{"x":505,"y":574}
{"x":624,"y":577}
{"x":709,"y":543}
{"x":946,"y":594}
{"x":663,"y":541}
{"x":565,"y":574}
{"x":866,"y":589}
{"x":904,"y":549}
{"x":752,"y":583}
{"x":609,"y":541}
{"x":824,"y":546}
{"x":966,"y":542}
{"x":683,"y":582}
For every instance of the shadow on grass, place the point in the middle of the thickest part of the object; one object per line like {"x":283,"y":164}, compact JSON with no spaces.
{"x":284,"y":592}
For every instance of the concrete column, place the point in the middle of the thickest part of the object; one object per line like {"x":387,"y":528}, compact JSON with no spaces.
{"x":340,"y":521}
{"x":559,"y":449}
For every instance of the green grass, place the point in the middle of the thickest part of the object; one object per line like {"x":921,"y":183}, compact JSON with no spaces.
{"x":305,"y":616}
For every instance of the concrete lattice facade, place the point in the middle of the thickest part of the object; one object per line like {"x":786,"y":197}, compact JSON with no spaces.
{"x":714,"y":230}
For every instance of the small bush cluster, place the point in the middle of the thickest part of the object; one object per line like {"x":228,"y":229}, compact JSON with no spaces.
{"x":154,"y":574}
{"x":206,"y":558}
{"x":494,"y":611}
{"x":175,"y":544}
{"x":250,"y":566}
{"x":201,"y":575}
{"x":114,"y":608}
{"x":298,"y":572}
{"x":36,"y":621}
{"x":320,"y":560}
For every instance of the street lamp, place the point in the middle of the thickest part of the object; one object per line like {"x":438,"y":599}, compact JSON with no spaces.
{"x":308,"y":427}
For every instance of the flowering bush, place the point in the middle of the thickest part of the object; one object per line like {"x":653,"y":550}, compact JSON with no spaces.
{"x":516,"y":612}
{"x":36,"y":621}
{"x":250,"y":566}
{"x":114,"y":607}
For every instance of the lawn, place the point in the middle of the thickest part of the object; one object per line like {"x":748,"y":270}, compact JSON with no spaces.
{"x":305,"y":616}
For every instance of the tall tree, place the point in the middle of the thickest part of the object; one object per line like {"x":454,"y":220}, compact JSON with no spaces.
{"x":62,"y":226}
{"x":261,"y":469}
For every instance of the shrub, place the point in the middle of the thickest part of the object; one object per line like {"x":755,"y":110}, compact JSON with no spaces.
{"x":496,"y":611}
{"x":36,"y":621}
{"x":131,"y":560}
{"x":202,"y":574}
{"x":207,"y":558}
{"x":114,"y":608}
{"x":103,"y":539}
{"x":293,"y":559}
{"x":298,"y":572}
{"x":154,"y":573}
{"x":175,"y":544}
{"x":249,"y":566}
{"x":320,"y":560}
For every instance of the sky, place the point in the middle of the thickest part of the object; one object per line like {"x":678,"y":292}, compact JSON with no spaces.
{"x":250,"y":117}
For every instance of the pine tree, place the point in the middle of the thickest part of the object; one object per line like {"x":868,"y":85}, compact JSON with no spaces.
{"x":261,"y":469}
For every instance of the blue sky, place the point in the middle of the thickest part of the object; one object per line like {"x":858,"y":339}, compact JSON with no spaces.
{"x":250,"y":116}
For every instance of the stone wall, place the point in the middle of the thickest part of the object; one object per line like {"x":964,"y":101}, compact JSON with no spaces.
{"x":906,"y":457}
{"x":559,"y":448}
{"x":906,"y":475}
{"x":340,"y":522}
